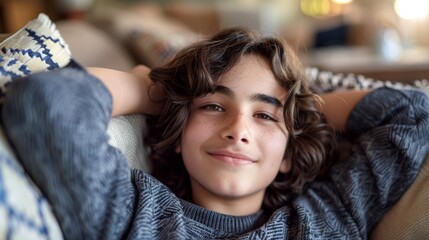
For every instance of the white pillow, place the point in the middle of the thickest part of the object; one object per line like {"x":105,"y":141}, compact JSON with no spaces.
{"x":126,"y":134}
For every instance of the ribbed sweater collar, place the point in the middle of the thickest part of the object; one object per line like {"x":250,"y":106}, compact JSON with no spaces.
{"x":222,"y":222}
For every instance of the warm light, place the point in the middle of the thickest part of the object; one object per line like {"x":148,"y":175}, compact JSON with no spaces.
{"x":342,"y":1}
{"x":321,"y":8}
{"x":412,"y":9}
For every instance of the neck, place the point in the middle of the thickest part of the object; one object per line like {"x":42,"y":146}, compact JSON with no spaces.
{"x":235,"y":206}
{"x":224,"y":223}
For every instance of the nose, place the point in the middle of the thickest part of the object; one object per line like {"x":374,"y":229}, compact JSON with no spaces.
{"x":236,"y":129}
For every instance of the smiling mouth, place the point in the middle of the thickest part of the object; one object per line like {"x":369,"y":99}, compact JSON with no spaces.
{"x":232,"y":158}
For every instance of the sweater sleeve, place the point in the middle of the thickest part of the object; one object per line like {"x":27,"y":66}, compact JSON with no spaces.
{"x":390,"y":129}
{"x":57,"y":123}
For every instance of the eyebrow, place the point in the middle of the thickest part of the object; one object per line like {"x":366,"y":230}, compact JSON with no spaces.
{"x":259,"y":97}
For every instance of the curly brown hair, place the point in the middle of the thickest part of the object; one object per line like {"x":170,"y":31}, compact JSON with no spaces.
{"x":195,"y":71}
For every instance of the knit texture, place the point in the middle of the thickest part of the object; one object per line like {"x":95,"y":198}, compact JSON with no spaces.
{"x":408,"y":219}
{"x":94,"y":195}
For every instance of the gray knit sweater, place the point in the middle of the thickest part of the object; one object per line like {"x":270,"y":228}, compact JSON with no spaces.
{"x":57,"y":123}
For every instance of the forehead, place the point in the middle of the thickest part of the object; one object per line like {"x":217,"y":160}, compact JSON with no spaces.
{"x":252,"y":73}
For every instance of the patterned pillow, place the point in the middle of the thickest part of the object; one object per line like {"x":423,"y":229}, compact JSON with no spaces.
{"x":36,"y":47}
{"x":325,"y":81}
{"x":24,"y":212}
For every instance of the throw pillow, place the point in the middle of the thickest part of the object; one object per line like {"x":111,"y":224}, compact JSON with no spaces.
{"x":153,"y":38}
{"x":127,"y":134}
{"x":325,"y":81}
{"x":93,"y":47}
{"x":24,"y":212}
{"x":36,"y":47}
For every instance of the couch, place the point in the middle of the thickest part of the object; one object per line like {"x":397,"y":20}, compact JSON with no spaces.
{"x":121,"y":40}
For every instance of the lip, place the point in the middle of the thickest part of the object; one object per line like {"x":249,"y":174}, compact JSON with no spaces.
{"x":231,"y":157}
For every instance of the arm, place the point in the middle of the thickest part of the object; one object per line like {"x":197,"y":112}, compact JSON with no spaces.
{"x":130,"y":90}
{"x":337,"y":107}
{"x":57,"y":123}
{"x":390,"y":132}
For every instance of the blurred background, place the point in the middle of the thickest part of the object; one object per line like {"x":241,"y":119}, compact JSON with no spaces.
{"x":383,"y":39}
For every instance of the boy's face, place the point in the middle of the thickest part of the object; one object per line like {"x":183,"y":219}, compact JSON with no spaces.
{"x":235,"y":139}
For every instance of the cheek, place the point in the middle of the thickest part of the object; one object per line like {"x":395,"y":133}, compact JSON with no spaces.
{"x":196,"y":130}
{"x":194,"y":135}
{"x":274,"y":143}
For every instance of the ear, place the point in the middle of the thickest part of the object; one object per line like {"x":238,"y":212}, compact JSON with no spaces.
{"x":178,"y":149}
{"x":285,"y":166}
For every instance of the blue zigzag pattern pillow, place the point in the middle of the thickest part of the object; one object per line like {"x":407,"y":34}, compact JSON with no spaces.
{"x":24,"y":212}
{"x":36,"y":47}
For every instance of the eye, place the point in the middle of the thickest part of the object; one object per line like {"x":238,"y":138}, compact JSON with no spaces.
{"x":213,"y":107}
{"x":264,"y":116}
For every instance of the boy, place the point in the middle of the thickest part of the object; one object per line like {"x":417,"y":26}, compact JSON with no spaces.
{"x":237,"y":111}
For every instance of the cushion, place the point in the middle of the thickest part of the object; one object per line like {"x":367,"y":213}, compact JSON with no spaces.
{"x":24,"y":212}
{"x":202,"y":18}
{"x":157,"y":47}
{"x":93,"y":47}
{"x":325,"y":81}
{"x":409,"y":218}
{"x":127,"y":134}
{"x":36,"y":47}
{"x":153,"y":38}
